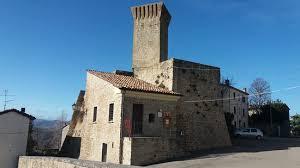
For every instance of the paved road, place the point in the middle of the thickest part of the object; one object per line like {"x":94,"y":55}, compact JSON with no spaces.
{"x":269,"y":153}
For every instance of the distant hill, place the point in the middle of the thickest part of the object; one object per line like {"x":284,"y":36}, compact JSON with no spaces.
{"x":47,"y":133}
{"x":41,"y":123}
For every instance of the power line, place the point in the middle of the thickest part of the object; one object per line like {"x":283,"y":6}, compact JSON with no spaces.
{"x":250,"y":95}
{"x":186,"y":68}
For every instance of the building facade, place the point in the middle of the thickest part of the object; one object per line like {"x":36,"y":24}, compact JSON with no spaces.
{"x":235,"y":101}
{"x":15,"y":127}
{"x":165,"y":108}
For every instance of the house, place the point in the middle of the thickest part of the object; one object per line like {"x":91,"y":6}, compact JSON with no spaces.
{"x":235,"y":101}
{"x":164,"y":108}
{"x":64,"y":133}
{"x":15,"y":128}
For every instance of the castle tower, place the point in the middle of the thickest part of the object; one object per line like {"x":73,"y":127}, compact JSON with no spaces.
{"x":150,"y":39}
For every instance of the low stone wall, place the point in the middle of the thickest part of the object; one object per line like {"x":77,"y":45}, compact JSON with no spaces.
{"x":148,"y":150}
{"x":54,"y":162}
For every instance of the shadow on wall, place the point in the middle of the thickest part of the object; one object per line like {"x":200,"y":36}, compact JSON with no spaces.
{"x":71,"y":147}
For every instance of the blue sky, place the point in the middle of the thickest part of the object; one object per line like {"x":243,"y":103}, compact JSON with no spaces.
{"x":46,"y":45}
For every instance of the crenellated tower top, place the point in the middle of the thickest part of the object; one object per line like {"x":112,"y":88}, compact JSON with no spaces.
{"x":150,"y":39}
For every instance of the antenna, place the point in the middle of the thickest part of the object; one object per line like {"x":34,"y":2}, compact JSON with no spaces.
{"x":6,"y":95}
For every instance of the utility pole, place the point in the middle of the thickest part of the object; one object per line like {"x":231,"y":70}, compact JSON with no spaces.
{"x":271,"y":118}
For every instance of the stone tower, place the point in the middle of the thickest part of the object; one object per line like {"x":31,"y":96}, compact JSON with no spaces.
{"x":150,"y":39}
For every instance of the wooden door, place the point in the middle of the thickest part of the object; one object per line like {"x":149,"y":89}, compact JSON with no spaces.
{"x":137,"y":119}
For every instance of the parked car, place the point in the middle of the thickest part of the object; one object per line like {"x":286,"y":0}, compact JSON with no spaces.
{"x":249,"y":133}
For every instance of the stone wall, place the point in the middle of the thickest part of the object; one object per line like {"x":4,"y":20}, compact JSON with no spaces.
{"x":157,"y":142}
{"x":199,"y":117}
{"x":101,"y":94}
{"x":152,"y":103}
{"x":52,"y":162}
{"x":201,"y":114}
{"x":150,"y":38}
{"x":149,"y":150}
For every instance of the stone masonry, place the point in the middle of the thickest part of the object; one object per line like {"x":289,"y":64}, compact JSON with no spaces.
{"x":166,"y":108}
{"x":200,"y":120}
{"x":150,"y":37}
{"x":53,"y":162}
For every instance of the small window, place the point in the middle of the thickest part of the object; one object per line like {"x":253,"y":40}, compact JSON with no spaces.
{"x":243,"y":112}
{"x":246,"y":130}
{"x":244,"y":99}
{"x":233,"y":95}
{"x":244,"y":125}
{"x":95,"y":114}
{"x":151,"y":118}
{"x":111,"y":112}
{"x":234,"y":110}
{"x":253,"y":130}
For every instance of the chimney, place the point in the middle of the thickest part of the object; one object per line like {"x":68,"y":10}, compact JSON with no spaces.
{"x":23,"y":110}
{"x":150,"y":35}
{"x":227,"y":82}
{"x":245,"y":90}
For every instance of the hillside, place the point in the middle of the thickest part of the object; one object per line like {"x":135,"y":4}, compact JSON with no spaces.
{"x":47,"y":134}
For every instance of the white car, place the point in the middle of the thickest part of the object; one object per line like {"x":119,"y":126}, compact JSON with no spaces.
{"x":249,"y":133}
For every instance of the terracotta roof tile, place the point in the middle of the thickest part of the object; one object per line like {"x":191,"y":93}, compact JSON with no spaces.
{"x":130,"y":83}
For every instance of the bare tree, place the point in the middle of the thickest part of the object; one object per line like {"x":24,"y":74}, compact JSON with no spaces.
{"x":260,"y":93}
{"x":62,"y":122}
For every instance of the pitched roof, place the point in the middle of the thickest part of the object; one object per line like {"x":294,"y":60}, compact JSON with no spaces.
{"x":131,"y":83}
{"x":18,"y":112}
{"x":239,"y":90}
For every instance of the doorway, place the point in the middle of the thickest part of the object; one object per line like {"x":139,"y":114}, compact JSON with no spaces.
{"x":104,"y":152}
{"x":137,"y":119}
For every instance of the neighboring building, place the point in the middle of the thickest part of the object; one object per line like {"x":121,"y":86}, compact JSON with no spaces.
{"x":15,"y":128}
{"x":235,"y":101}
{"x":64,"y":133}
{"x":161,"y":110}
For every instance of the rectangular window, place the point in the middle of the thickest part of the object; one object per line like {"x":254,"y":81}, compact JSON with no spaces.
{"x":111,"y":112}
{"x":244,"y":99}
{"x":234,"y":110}
{"x":246,"y":130}
{"x":243,"y":112}
{"x":253,"y":130}
{"x":151,"y":118}
{"x":95,"y":114}
{"x":233,"y":95}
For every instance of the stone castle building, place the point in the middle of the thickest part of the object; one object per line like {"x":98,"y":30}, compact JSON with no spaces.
{"x":163,"y":109}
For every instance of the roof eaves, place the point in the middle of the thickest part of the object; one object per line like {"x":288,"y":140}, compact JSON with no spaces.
{"x":148,"y":91}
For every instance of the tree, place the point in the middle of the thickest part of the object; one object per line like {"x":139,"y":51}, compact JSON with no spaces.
{"x":295,"y":125}
{"x":271,"y":115}
{"x":260,"y":93}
